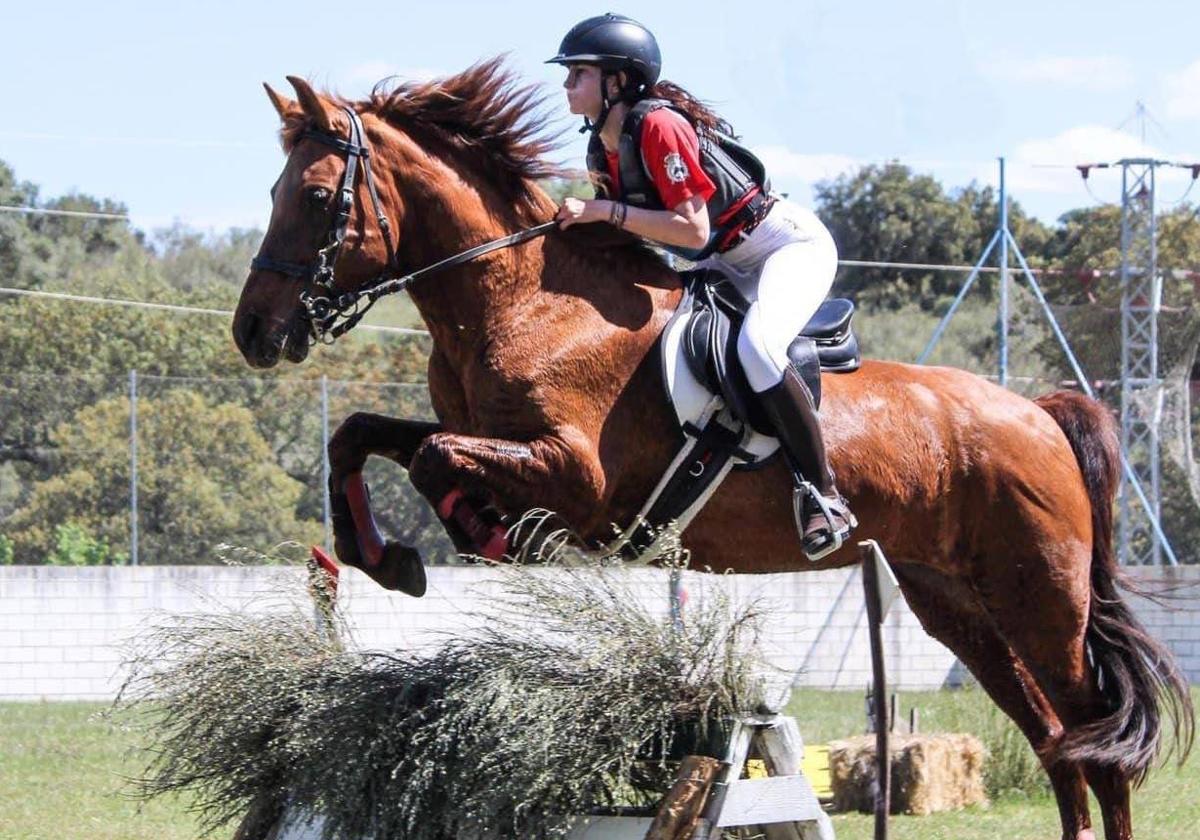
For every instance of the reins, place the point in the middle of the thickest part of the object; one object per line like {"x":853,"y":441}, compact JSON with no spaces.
{"x":331,"y":317}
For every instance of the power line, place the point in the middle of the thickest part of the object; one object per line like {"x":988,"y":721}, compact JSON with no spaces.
{"x":921,"y":266}
{"x":170,"y":307}
{"x":142,"y":141}
{"x":82,"y":214}
{"x":1178,"y":274}
{"x":7,"y":375}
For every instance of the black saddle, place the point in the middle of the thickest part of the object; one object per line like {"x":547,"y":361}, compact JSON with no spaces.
{"x":827,"y":343}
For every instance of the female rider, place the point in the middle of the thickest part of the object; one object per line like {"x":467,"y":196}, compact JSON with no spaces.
{"x":668,"y":171}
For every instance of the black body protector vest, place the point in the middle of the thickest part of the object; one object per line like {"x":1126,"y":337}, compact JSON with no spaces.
{"x":732,"y":167}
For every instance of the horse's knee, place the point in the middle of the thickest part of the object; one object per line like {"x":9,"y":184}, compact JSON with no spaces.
{"x":345,"y":448}
{"x":431,"y":465}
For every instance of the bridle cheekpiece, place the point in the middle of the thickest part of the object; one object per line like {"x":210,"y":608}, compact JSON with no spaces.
{"x":331,"y":315}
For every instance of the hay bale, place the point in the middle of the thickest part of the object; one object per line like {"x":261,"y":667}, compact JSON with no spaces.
{"x":930,"y":773}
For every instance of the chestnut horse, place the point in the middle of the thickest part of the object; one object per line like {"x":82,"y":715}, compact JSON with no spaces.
{"x":995,"y":511}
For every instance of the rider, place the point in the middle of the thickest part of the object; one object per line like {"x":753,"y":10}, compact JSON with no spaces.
{"x":668,"y":169}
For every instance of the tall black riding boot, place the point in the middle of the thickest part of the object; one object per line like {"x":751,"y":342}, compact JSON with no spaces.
{"x":826,"y":519}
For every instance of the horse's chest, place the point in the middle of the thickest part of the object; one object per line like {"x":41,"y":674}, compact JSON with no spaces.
{"x":504,"y":401}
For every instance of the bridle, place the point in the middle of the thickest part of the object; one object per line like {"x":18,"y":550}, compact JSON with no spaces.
{"x":331,"y":315}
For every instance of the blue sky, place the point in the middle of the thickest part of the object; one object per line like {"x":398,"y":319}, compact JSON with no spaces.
{"x":160,"y":105}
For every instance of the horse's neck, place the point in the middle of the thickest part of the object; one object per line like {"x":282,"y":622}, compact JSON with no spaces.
{"x":574,"y":290}
{"x":445,"y":215}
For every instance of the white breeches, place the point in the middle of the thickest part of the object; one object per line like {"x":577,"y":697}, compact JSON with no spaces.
{"x":785,"y":268}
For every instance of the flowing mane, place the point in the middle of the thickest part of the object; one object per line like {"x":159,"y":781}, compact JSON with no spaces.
{"x":494,"y":124}
{"x":484,"y":114}
{"x":484,"y":109}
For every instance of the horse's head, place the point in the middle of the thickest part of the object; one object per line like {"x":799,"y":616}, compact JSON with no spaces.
{"x":328,"y":233}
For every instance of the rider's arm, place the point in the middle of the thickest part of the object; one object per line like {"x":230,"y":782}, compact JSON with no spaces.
{"x":671,"y":153}
{"x":685,"y":226}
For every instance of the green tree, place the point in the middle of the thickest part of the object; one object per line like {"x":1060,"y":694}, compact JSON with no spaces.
{"x":62,"y":356}
{"x":74,"y":546}
{"x":560,"y":188}
{"x":1084,"y":253}
{"x":890,"y":214}
{"x":217,"y":482}
{"x":191,"y":260}
{"x":17,"y":251}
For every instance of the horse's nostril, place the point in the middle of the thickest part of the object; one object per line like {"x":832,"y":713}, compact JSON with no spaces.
{"x":246,"y":329}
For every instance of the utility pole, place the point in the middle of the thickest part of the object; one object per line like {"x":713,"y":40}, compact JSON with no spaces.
{"x":1140,"y":540}
{"x":1149,"y":507}
{"x":1141,"y":388}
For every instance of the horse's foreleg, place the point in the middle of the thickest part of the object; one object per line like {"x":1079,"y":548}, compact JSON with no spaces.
{"x":362,"y":434}
{"x":357,"y":540}
{"x":461,"y":475}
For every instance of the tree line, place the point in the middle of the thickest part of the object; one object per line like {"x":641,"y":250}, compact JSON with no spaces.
{"x":227,"y":458}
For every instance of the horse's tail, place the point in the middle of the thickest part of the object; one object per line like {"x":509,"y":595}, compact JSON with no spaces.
{"x":1138,"y":676}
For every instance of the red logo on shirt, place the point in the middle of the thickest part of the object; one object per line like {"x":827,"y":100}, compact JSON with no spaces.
{"x":677,"y":170}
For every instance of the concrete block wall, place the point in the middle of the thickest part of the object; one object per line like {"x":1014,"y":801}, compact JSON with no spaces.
{"x":63,"y":630}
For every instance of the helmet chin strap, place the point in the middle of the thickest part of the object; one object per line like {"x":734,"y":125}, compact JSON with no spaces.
{"x":598,"y":125}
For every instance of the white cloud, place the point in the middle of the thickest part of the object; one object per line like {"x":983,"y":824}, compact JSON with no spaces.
{"x":1095,"y":73}
{"x":1047,"y":165}
{"x":1085,"y":143}
{"x":1182,"y":91}
{"x":367,"y":73}
{"x":786,"y":165}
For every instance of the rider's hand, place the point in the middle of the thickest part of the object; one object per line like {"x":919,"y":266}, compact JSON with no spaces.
{"x":577,"y":210}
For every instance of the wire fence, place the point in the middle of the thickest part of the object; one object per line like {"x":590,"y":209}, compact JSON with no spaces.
{"x":153,"y":469}
{"x":134,"y":468}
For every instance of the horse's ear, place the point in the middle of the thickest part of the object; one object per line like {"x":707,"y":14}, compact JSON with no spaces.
{"x":283,"y":106}
{"x":312,"y":103}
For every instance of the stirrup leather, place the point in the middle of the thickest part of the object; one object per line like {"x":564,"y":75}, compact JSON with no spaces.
{"x":805,"y":490}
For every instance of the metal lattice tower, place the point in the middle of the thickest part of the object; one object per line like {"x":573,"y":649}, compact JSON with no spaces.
{"x":1141,"y":391}
{"x":1142,"y":287}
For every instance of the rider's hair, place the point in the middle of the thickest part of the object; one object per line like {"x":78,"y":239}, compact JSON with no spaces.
{"x":697,"y":113}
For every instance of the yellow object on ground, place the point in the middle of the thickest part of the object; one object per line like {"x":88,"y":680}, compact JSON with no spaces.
{"x":815,"y":766}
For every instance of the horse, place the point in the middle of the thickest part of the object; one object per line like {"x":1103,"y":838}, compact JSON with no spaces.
{"x":996,"y":511}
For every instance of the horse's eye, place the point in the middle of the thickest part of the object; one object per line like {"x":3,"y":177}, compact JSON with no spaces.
{"x":317,"y":196}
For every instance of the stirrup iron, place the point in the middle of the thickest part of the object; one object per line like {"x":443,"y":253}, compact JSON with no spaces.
{"x":803,"y":490}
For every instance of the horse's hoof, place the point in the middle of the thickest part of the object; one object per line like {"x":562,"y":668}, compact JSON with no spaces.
{"x":401,"y":570}
{"x":345,"y":548}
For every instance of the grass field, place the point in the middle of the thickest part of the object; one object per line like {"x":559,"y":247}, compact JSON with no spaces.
{"x":1166,"y":808}
{"x":63,"y":771}
{"x":62,"y":775}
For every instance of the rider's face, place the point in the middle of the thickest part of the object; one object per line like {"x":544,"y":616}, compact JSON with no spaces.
{"x":583,"y":90}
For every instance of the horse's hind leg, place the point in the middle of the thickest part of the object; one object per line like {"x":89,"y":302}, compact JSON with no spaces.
{"x":1112,"y":793}
{"x":1040,"y":603}
{"x":951,"y":613}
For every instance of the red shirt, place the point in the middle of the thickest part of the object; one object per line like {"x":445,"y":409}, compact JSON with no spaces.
{"x":671,"y":154}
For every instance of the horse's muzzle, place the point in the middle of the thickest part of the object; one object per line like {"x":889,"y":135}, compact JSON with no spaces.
{"x":262,"y":341}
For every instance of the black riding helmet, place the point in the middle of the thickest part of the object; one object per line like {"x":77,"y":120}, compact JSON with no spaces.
{"x":612,"y":43}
